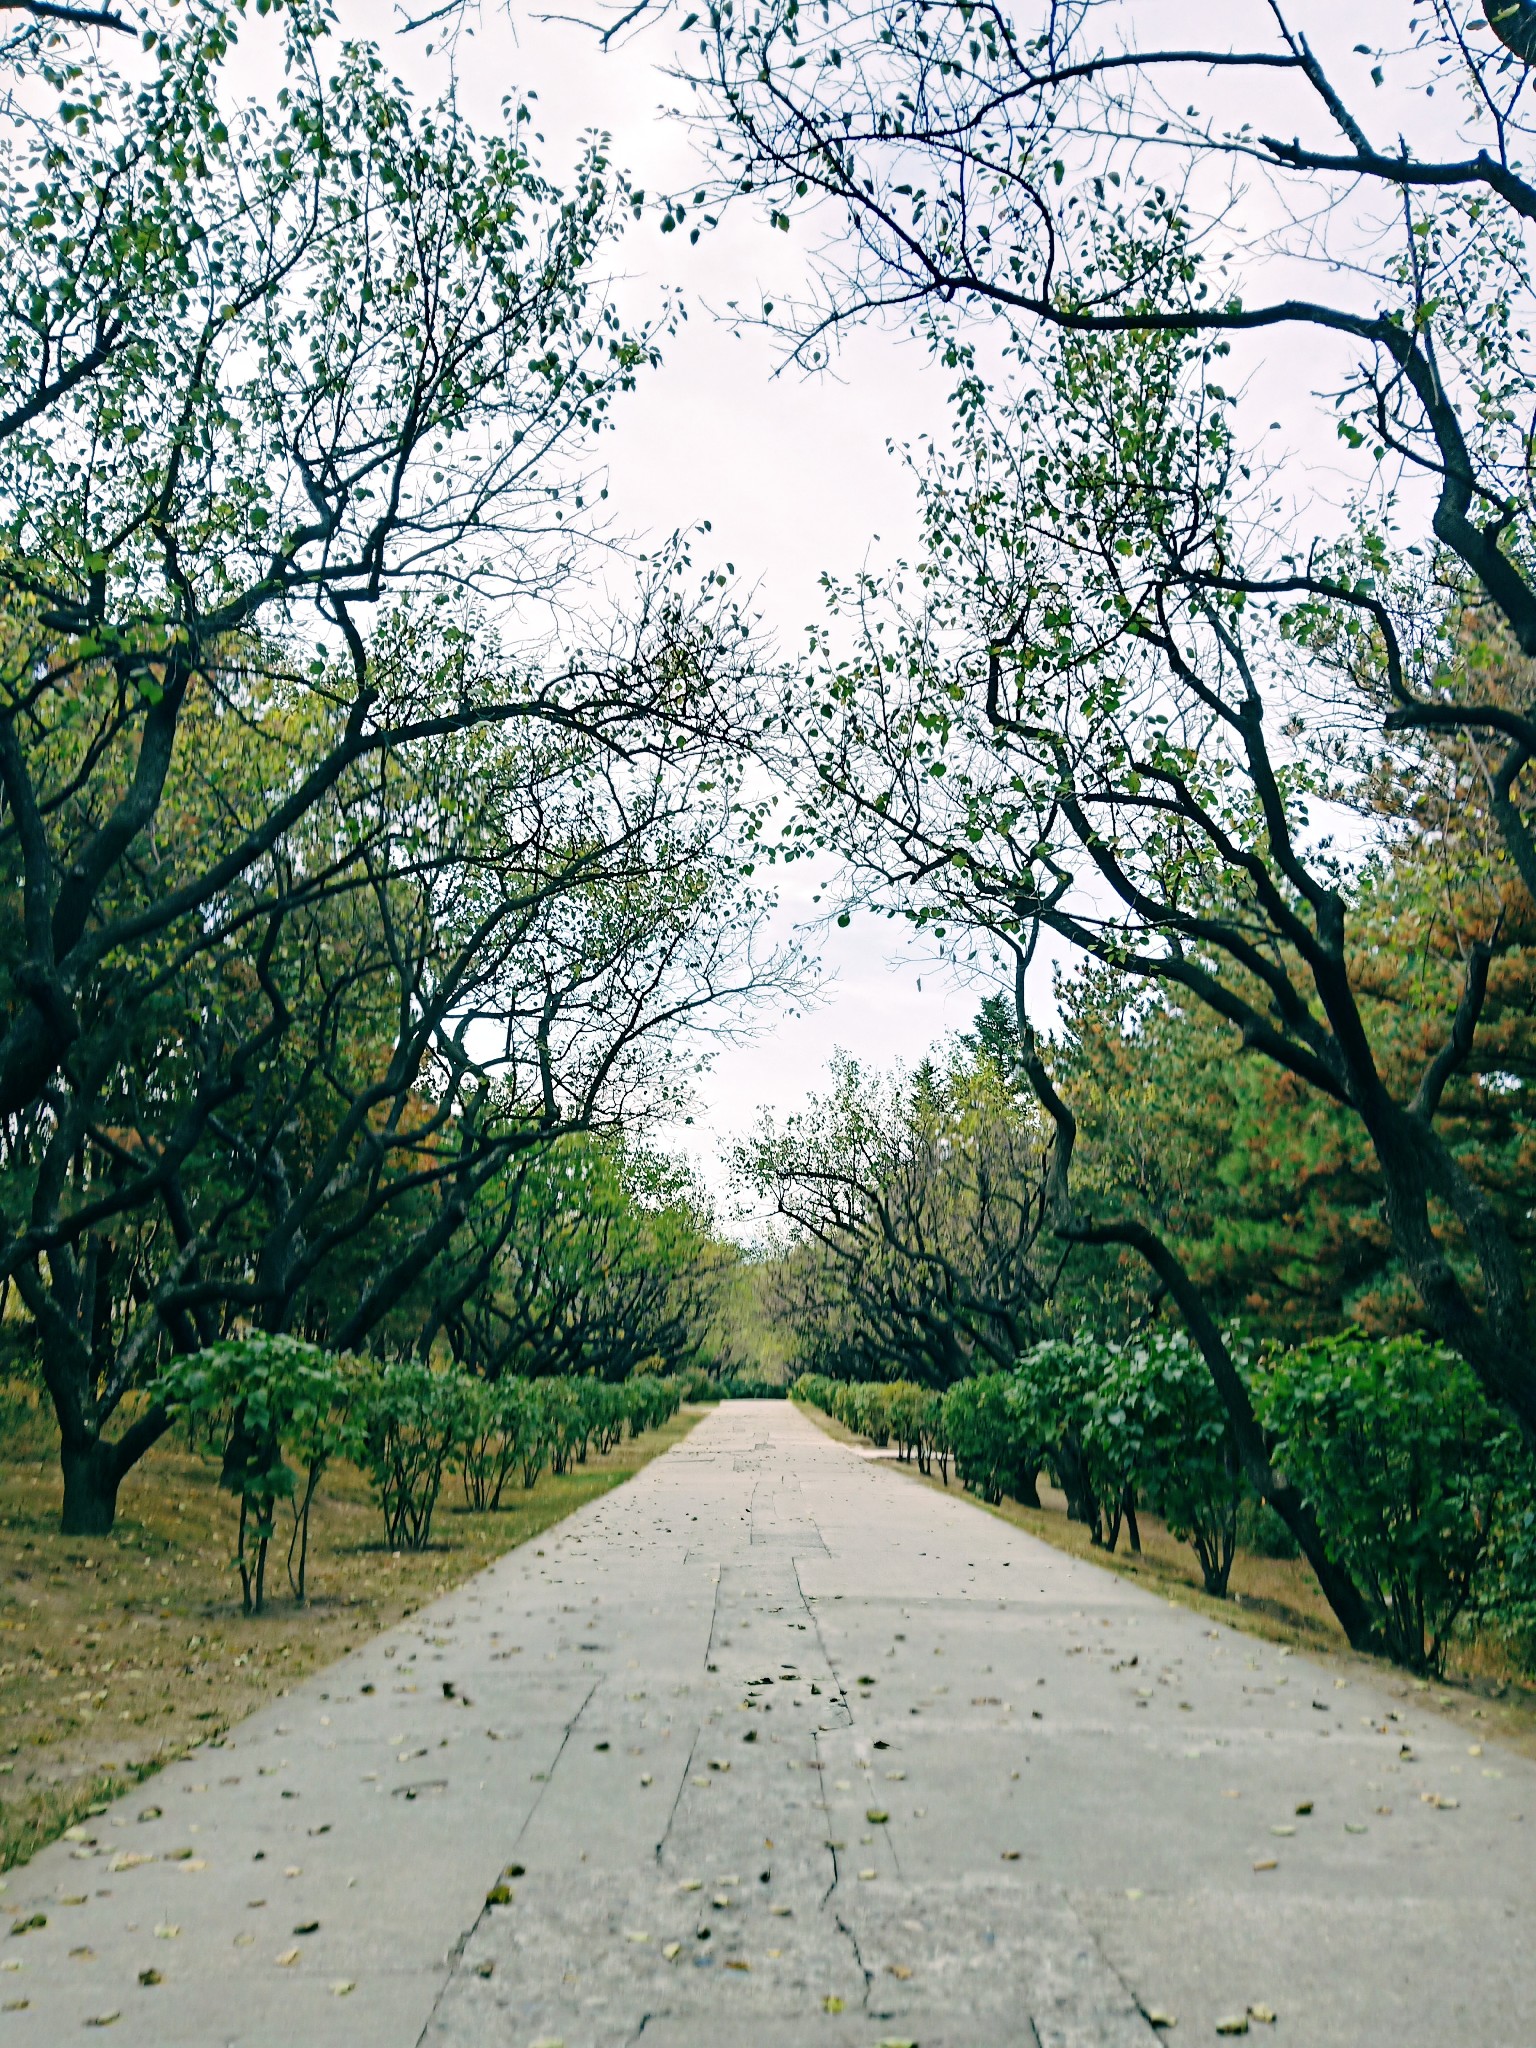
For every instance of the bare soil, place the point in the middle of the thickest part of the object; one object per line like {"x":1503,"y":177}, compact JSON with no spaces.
{"x":118,"y":1653}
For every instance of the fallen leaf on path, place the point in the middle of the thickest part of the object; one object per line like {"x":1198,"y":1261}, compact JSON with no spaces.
{"x":307,"y":1927}
{"x":245,"y":1941}
{"x":672,"y":1951}
{"x":636,"y":1934}
{"x":32,"y":1921}
{"x":1156,"y":2017}
{"x":1303,"y":1806}
{"x":1264,"y":2014}
{"x":149,"y":1977}
{"x":900,"y":1970}
{"x":877,"y":1816}
{"x":691,"y":1884}
{"x":1267,"y":1863}
{"x":129,"y":1859}
{"x":1010,"y":1855}
{"x":1234,"y":2023}
{"x":287,"y":1959}
{"x":342,"y":1987}
{"x":868,"y":1876}
{"x":831,"y":2003}
{"x":499,"y":1895}
{"x":104,"y":2019}
{"x":167,"y":1930}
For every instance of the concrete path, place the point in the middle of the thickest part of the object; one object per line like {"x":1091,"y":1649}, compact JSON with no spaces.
{"x":772,"y":1747}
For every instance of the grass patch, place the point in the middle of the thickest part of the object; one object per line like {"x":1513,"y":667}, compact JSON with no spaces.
{"x":1276,"y":1598}
{"x":119,"y":1653}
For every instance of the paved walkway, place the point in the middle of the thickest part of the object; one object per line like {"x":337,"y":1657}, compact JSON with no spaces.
{"x":779,"y":1749}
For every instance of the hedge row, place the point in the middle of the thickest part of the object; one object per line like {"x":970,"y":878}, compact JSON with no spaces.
{"x":1422,"y":1491}
{"x":283,"y":1410}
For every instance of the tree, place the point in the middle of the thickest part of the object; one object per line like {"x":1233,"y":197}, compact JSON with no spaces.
{"x":309,"y":941}
{"x":917,"y":1201}
{"x":1270,"y":1192}
{"x":1130,"y":674}
{"x":590,"y":1257}
{"x":291,"y":1114}
{"x":252,"y":365}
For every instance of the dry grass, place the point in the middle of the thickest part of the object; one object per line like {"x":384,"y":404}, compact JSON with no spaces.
{"x":1274,"y":1597}
{"x":117,"y":1653}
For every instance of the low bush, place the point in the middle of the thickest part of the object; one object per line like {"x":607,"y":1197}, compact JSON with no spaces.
{"x":413,"y":1421}
{"x":260,"y":1395}
{"x":269,"y":1399}
{"x":1413,"y":1476}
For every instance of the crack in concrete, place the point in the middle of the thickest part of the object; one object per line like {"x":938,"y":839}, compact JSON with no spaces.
{"x":858,"y":1956}
{"x":821,"y":1642}
{"x":456,"y":1953}
{"x":677,"y":1797}
{"x":567,"y":1733}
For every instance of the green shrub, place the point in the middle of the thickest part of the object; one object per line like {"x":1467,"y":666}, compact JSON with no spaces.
{"x":651,"y":1400}
{"x":1056,"y":1392}
{"x":747,"y":1383}
{"x":991,"y":1436}
{"x":263,"y":1395}
{"x":1409,"y":1470}
{"x":1159,"y":1423}
{"x":500,"y":1426}
{"x":906,"y":1413}
{"x":413,"y":1421}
